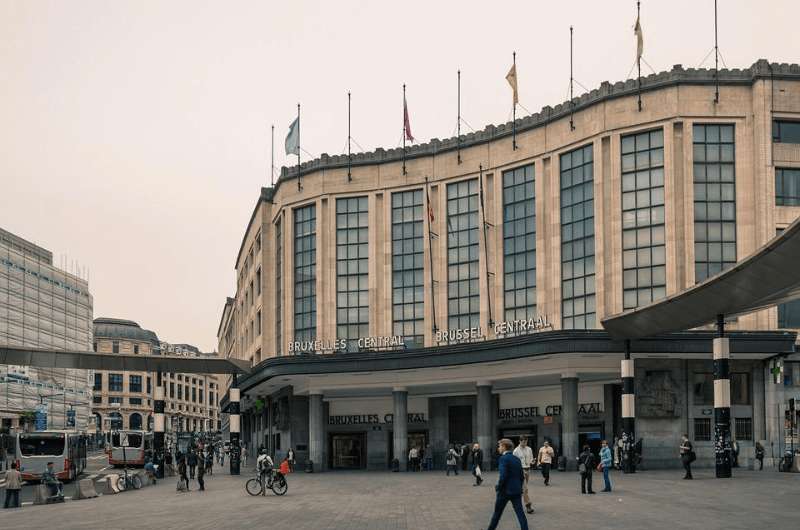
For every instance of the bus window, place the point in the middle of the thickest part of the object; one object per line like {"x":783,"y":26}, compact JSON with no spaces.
{"x":41,"y":445}
{"x":134,"y":439}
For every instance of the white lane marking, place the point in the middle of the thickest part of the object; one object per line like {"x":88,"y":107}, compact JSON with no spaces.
{"x":92,"y":477}
{"x":104,"y":468}
{"x":27,"y":503}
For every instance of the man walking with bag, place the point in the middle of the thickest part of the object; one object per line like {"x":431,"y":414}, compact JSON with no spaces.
{"x":525,"y":455}
{"x":509,"y":485}
{"x":477,"y":462}
{"x":687,"y":456}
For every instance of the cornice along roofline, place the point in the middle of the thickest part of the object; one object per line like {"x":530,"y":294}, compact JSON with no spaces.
{"x":678,"y":75}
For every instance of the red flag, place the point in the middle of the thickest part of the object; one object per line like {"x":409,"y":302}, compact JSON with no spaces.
{"x":430,"y":207}
{"x":406,"y":122}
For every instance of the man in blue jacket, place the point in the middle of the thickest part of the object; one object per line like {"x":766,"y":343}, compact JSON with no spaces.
{"x":509,"y":485}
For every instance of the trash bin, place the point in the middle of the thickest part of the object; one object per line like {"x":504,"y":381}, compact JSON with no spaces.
{"x":310,"y":466}
{"x":395,"y":465}
{"x":562,"y":463}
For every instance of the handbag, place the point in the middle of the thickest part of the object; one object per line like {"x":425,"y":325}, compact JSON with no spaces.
{"x":582,"y":468}
{"x":600,"y":467}
{"x":478,"y":471}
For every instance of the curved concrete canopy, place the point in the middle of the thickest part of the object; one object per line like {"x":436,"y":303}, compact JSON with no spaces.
{"x":769,"y":276}
{"x":85,"y":360}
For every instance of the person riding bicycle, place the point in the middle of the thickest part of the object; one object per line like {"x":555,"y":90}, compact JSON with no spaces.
{"x":50,"y":480}
{"x":264,"y":464}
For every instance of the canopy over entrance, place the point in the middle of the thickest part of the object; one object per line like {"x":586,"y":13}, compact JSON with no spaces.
{"x":767,"y":277}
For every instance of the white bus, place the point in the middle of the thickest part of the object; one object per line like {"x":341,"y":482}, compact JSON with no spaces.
{"x":65,"y":449}
{"x":130,"y":448}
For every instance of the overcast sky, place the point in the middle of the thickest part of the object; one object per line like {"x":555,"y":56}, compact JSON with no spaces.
{"x":134,"y":136}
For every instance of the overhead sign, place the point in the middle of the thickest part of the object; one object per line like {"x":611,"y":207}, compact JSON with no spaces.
{"x":373,"y":419}
{"x":520,"y":414}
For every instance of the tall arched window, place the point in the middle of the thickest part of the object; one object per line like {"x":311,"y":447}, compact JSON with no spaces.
{"x":116,"y":421}
{"x":135,"y":422}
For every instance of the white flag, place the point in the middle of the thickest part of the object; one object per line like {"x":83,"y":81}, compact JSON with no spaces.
{"x":293,"y":138}
{"x":639,"y":39}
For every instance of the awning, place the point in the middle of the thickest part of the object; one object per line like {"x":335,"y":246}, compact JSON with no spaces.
{"x":767,"y":277}
{"x":86,"y":360}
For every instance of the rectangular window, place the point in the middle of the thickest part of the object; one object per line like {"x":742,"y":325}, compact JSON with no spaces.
{"x":740,"y":389}
{"x":352,"y":269}
{"x":714,"y":200}
{"x":135,"y":383}
{"x":134,"y":401}
{"x":97,"y":400}
{"x":136,"y":348}
{"x":172,"y":390}
{"x":201,"y":395}
{"x":115,"y":346}
{"x":114,"y":400}
{"x":98,"y":382}
{"x":258,"y":323}
{"x":180,"y":391}
{"x":519,"y":243}
{"x":577,"y":239}
{"x":702,"y":429}
{"x":408,"y":282}
{"x":194,"y":395}
{"x":186,"y":392}
{"x":787,"y":132}
{"x":644,"y":277}
{"x":305,"y":273}
{"x":279,"y":287}
{"x":787,"y":186}
{"x":258,"y":281}
{"x":743,"y":428}
{"x":115,"y":382}
{"x":463,"y":292}
{"x":149,"y":386}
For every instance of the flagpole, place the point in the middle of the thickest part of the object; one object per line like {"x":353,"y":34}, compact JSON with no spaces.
{"x":571,"y":123}
{"x":272,"y":159}
{"x":514,"y":111}
{"x":349,"y":156}
{"x":639,"y":61}
{"x":430,"y":257}
{"x":458,"y":129}
{"x":485,"y":245}
{"x":716,"y":56}
{"x":299,"y":185}
{"x":404,"y":128}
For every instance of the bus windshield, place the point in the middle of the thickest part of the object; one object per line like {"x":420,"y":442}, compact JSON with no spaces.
{"x":41,"y":444}
{"x":133,"y":439}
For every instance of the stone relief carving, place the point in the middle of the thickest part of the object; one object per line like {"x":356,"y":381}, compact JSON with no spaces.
{"x":657,"y":395}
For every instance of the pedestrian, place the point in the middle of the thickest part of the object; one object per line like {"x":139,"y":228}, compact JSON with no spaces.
{"x":606,"y":461}
{"x":183,"y":480}
{"x":463,"y":454}
{"x":150,"y":470}
{"x":760,"y":455}
{"x":244,"y":456}
{"x":290,"y":458}
{"x":477,"y":462}
{"x":687,"y":456}
{"x":451,"y":460}
{"x":413,"y":458}
{"x":546,"y":455}
{"x":509,"y":485}
{"x":525,"y":455}
{"x":201,"y":471}
{"x":421,"y":457}
{"x":209,"y":462}
{"x":428,"y":458}
{"x":191,"y":461}
{"x":13,"y":485}
{"x":734,"y":452}
{"x":51,"y":481}
{"x":585,"y":467}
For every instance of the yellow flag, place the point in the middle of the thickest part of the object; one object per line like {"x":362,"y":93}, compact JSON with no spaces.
{"x":511,"y":77}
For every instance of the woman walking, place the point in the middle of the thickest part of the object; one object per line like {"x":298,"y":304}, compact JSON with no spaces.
{"x":687,"y":456}
{"x":452,"y":460}
{"x":606,"y":460}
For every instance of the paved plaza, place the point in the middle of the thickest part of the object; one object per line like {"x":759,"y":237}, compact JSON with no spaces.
{"x":417,"y":501}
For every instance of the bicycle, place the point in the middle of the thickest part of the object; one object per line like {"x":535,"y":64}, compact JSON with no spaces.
{"x":126,"y":481}
{"x":276,"y":481}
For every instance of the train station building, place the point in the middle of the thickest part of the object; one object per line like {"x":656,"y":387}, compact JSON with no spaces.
{"x":453,"y":292}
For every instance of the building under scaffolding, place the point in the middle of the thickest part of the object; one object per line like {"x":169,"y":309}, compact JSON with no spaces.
{"x":42,"y":306}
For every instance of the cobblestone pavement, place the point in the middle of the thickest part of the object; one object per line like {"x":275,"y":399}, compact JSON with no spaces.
{"x":412,"y":501}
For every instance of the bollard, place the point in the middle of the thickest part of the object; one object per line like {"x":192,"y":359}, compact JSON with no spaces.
{"x":395,"y":465}
{"x":85,"y":489}
{"x":310,"y":466}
